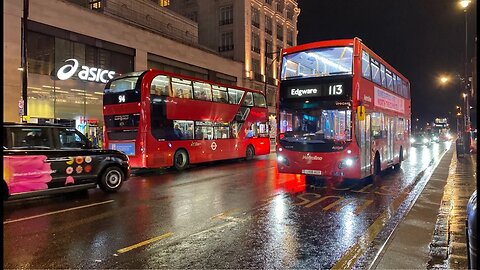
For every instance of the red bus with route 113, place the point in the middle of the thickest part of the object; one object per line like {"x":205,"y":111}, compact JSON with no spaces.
{"x":160,"y":119}
{"x":342,"y":112}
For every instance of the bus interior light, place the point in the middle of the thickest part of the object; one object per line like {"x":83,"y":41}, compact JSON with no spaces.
{"x":280,"y":149}
{"x":349,"y":151}
{"x":412,"y":140}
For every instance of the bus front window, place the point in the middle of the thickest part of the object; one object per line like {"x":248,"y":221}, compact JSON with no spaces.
{"x":316,"y":125}
{"x":318,"y":62}
{"x":122,"y":90}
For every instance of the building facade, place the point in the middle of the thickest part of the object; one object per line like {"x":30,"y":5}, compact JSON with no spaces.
{"x":250,"y":31}
{"x":73,"y":47}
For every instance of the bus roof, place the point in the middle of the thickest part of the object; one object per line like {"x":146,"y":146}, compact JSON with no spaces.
{"x":143,"y":72}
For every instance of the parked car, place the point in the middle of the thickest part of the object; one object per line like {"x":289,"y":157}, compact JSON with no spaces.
{"x":420,"y":139}
{"x":471,"y":232}
{"x":40,"y":159}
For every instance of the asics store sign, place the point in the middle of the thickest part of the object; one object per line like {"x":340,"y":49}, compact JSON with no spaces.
{"x":91,"y":74}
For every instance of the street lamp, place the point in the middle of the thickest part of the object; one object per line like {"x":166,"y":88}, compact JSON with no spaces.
{"x":266,"y":69}
{"x":464,"y":4}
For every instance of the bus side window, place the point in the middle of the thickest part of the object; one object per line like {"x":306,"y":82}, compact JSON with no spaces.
{"x":182,"y":88}
{"x":248,"y":101}
{"x":160,"y":86}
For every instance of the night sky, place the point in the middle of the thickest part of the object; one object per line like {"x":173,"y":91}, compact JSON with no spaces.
{"x":422,"y":39}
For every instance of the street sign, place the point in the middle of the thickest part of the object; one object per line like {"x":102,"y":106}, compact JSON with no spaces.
{"x":21,"y":108}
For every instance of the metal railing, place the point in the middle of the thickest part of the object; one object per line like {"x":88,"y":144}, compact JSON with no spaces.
{"x":225,"y":48}
{"x":145,"y":15}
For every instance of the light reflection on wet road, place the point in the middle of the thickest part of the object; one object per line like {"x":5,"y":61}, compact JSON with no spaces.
{"x":223,"y":215}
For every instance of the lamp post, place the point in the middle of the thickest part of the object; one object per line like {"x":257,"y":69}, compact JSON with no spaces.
{"x":24,"y":60}
{"x":266,"y":69}
{"x":464,"y":4}
{"x":462,"y":121}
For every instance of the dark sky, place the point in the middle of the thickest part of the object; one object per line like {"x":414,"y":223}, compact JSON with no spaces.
{"x":422,"y":39}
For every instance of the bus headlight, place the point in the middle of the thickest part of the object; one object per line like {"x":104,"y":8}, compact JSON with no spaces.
{"x":282,"y":160}
{"x":412,"y":140}
{"x":348,"y":162}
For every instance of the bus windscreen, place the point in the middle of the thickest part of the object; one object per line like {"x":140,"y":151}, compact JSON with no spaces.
{"x":318,"y":62}
{"x":122,"y":90}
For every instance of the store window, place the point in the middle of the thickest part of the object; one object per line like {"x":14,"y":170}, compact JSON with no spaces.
{"x":78,"y":96}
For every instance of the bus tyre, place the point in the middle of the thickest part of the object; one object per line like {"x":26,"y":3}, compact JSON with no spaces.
{"x":112,"y":179}
{"x":180,"y":160}
{"x":376,"y":166}
{"x":397,"y":166}
{"x":250,"y":153}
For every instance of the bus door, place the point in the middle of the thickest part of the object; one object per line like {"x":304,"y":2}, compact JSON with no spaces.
{"x":390,"y":138}
{"x":368,"y":145}
{"x":363,"y":128}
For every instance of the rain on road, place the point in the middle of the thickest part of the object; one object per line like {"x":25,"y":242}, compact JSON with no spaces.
{"x":223,"y":215}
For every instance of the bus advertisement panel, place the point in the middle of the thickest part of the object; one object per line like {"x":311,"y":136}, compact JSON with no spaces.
{"x":160,"y":119}
{"x":343,"y":111}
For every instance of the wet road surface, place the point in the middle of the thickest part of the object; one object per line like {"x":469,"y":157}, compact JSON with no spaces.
{"x":231,"y":214}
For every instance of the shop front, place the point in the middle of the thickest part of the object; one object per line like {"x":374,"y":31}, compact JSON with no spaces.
{"x":66,"y":78}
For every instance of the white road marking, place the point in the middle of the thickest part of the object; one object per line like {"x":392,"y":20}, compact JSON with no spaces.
{"x":57,"y":212}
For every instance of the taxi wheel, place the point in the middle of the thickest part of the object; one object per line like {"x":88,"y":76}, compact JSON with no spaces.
{"x":111,"y":179}
{"x":180,"y":160}
{"x":4,"y":191}
{"x":250,"y":153}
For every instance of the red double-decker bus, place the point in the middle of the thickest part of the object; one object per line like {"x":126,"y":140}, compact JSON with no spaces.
{"x":161,"y":119}
{"x":343,"y":111}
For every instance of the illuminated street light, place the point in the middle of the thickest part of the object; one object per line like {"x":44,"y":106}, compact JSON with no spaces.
{"x":444,"y":79}
{"x":464,"y":3}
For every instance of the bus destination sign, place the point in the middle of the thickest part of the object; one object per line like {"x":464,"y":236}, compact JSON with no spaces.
{"x":320,"y":90}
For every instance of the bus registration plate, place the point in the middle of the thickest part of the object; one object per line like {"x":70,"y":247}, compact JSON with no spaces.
{"x":316,"y":172}
{"x":127,"y":148}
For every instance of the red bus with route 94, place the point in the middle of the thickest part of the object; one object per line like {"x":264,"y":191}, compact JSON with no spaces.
{"x":342,"y":111}
{"x":160,"y":119}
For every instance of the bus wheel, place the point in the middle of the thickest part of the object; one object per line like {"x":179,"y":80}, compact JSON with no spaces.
{"x":376,"y":166}
{"x":397,"y":166}
{"x":180,"y":160}
{"x":250,"y":153}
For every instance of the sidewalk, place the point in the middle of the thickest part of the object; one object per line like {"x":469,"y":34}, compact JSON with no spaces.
{"x":432,"y":235}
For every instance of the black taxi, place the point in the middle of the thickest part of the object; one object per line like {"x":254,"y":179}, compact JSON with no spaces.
{"x":40,"y":159}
